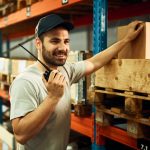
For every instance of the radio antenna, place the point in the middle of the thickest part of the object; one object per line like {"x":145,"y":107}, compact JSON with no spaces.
{"x":34,"y":57}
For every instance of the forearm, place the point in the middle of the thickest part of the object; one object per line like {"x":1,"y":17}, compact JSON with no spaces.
{"x":31,"y":124}
{"x":105,"y":56}
{"x":102,"y":58}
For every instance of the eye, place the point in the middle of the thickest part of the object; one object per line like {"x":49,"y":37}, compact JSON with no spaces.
{"x":54,"y":41}
{"x":67,"y":41}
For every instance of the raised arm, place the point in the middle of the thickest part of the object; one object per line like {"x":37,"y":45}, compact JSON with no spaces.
{"x":102,"y":58}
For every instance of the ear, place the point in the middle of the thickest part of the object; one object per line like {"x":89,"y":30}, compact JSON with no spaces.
{"x":38,"y":43}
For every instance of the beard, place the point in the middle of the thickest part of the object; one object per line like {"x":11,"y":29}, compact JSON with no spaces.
{"x":51,"y":57}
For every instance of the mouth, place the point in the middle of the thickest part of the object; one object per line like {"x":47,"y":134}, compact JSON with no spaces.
{"x":60,"y":55}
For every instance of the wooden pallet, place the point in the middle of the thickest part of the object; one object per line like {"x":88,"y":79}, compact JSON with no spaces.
{"x":130,"y":103}
{"x":125,"y":74}
{"x":137,"y":128}
{"x":133,"y":107}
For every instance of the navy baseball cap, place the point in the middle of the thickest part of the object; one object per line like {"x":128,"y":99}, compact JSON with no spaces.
{"x":51,"y":21}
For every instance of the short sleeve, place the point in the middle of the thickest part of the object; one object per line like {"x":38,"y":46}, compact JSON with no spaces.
{"x":76,"y":71}
{"x":23,"y":98}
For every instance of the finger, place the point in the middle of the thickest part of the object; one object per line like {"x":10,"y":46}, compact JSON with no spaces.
{"x":44,"y":80}
{"x":137,"y":21}
{"x":53,"y":74}
{"x":135,"y":24}
{"x":62,"y":79}
{"x":58,"y":76}
{"x":139,"y":26}
{"x":62,"y":82}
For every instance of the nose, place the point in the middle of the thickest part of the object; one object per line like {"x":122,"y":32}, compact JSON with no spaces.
{"x":62,"y":46}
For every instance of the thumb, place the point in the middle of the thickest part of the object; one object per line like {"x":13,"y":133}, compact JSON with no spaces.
{"x":44,"y":80}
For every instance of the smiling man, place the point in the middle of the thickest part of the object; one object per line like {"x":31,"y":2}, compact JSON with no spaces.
{"x":40,"y":109}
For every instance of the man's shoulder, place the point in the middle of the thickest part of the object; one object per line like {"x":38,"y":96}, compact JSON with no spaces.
{"x":30,"y":74}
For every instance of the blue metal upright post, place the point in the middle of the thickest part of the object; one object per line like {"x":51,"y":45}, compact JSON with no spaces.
{"x":8,"y":47}
{"x":99,"y":25}
{"x":99,"y":43}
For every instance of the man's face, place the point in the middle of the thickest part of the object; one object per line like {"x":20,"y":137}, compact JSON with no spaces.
{"x":55,"y":47}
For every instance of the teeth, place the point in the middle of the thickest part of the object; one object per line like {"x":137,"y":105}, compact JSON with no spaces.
{"x":60,"y":55}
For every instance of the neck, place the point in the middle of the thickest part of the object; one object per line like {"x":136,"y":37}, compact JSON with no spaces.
{"x":42,"y":68}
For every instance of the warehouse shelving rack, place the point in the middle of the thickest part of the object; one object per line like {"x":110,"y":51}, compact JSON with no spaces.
{"x":81,"y":12}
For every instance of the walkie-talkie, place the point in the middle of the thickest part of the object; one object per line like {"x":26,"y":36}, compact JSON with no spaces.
{"x":47,"y":72}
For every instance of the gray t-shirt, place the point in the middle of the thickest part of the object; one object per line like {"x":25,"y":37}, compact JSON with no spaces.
{"x":28,"y":91}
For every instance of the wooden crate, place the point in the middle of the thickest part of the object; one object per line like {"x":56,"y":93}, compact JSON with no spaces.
{"x":133,"y":108}
{"x":138,"y":48}
{"x":125,"y":74}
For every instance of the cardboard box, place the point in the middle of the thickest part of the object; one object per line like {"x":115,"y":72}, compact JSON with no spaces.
{"x":138,"y":48}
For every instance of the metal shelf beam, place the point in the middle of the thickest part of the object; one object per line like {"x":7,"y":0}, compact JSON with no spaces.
{"x":82,"y":125}
{"x":37,"y":9}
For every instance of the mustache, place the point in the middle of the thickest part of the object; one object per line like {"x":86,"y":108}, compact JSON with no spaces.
{"x":60,"y":52}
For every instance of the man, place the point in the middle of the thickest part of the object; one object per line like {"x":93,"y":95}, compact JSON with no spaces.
{"x":40,"y":109}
